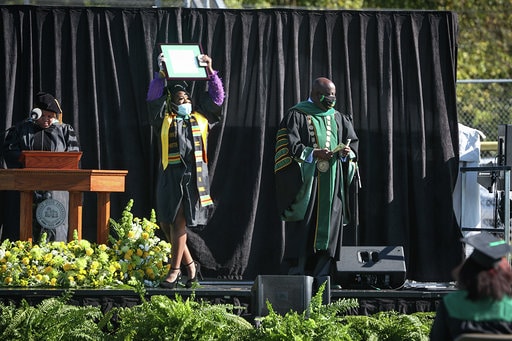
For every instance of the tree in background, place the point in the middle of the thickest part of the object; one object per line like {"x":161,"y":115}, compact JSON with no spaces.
{"x":485,"y":33}
{"x":307,"y":4}
{"x":484,"y":50}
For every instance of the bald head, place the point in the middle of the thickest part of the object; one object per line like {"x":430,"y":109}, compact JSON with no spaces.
{"x":323,"y":84}
{"x":323,"y":93}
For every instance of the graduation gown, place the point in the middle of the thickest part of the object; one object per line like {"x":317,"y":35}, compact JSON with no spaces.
{"x":313,"y":203}
{"x":26,"y":135}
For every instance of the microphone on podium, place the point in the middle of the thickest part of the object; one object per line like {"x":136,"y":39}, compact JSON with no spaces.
{"x":35,"y":114}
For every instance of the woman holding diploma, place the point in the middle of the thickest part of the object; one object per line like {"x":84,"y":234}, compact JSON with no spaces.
{"x":183,"y":198}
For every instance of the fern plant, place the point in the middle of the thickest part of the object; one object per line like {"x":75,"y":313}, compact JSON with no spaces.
{"x":52,"y":319}
{"x":390,"y":325}
{"x":318,"y":322}
{"x":163,"y":318}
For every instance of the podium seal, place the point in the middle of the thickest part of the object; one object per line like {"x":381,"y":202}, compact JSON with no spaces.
{"x":50,"y":213}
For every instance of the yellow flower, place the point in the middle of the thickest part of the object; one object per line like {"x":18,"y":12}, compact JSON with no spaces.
{"x":81,"y":263}
{"x":139,"y":252}
{"x":25,"y":260}
{"x":150,"y":273}
{"x":131,"y":234}
{"x":89,"y":251}
{"x":53,"y":281}
{"x":8,"y":280}
{"x":128,"y":254}
{"x":67,"y":266}
{"x":145,"y":235}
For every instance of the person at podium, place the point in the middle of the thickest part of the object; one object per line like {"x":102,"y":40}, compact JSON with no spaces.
{"x":182,"y":195}
{"x":44,"y":131}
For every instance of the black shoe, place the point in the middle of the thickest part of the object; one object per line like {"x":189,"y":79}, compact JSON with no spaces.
{"x":171,"y":285}
{"x":190,"y":282}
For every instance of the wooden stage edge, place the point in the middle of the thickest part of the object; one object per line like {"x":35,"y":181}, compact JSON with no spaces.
{"x":240,"y":294}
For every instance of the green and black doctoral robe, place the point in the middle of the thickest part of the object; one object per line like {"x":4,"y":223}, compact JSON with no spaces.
{"x":313,"y":203}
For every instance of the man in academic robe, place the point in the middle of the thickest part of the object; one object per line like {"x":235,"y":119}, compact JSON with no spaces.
{"x":315,"y":162}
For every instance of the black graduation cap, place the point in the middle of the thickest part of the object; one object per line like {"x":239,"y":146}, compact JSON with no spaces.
{"x":46,"y":101}
{"x":178,"y":85}
{"x":488,"y":250}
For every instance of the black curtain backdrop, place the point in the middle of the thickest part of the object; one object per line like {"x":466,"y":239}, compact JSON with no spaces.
{"x":395,"y":73}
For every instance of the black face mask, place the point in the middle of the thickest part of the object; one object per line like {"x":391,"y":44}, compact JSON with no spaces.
{"x":328,"y":101}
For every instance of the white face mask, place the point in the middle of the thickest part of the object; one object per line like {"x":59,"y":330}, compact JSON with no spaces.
{"x":54,"y":121}
{"x":184,"y":109}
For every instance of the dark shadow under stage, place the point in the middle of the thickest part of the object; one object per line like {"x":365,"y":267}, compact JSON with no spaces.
{"x":247,"y":297}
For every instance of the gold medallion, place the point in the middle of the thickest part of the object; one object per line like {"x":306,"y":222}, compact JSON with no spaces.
{"x":322,"y":165}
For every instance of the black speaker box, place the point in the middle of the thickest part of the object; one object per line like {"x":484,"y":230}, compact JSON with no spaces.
{"x":505,"y":145}
{"x":284,"y":292}
{"x":371,"y":267}
{"x":504,"y":151}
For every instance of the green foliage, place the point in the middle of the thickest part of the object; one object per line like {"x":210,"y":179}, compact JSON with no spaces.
{"x":163,"y":318}
{"x":485,"y":105}
{"x":318,"y":322}
{"x":309,"y":4}
{"x":52,"y":319}
{"x":484,"y":46}
{"x":485,"y":35}
{"x":390,"y":325}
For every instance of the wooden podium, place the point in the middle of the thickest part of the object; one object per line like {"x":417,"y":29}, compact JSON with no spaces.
{"x":75,"y":181}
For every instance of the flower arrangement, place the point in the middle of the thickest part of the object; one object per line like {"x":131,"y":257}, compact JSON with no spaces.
{"x":135,"y":255}
{"x":141,"y":255}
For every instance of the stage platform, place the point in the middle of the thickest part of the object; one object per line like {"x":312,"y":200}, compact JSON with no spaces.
{"x":409,"y":299}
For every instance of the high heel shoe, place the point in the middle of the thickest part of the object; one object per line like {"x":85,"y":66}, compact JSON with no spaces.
{"x":190,"y":282}
{"x":174,"y":284}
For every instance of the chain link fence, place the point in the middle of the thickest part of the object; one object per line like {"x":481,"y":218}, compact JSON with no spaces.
{"x":484,"y":105}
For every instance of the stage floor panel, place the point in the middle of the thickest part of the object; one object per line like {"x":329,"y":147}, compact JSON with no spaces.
{"x":237,"y":293}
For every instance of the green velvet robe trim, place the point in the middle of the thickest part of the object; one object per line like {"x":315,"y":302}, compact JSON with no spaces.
{"x":459,"y":307}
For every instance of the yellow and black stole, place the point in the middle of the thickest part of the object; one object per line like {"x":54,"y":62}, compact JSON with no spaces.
{"x":171,"y":151}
